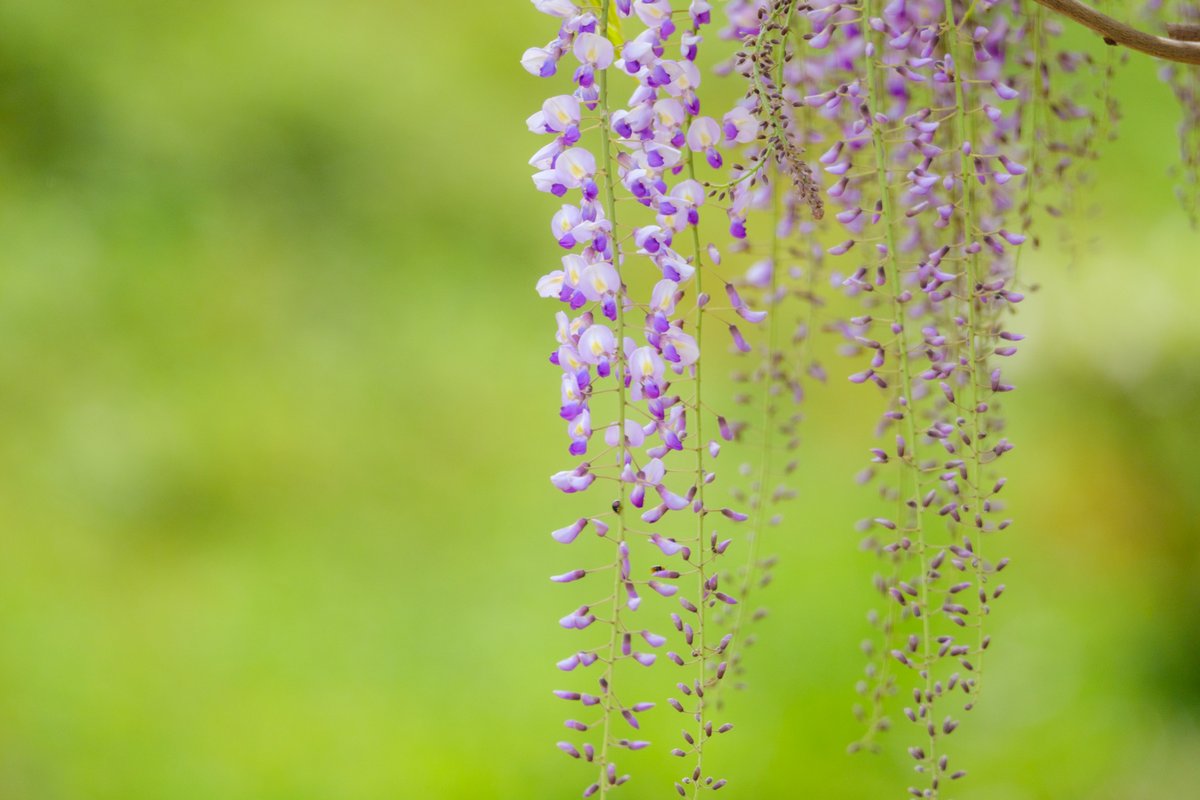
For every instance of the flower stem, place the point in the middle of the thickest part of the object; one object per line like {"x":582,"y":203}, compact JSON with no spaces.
{"x":1035,"y":103}
{"x":973,"y":326}
{"x":769,"y":357}
{"x":610,"y":204}
{"x":906,"y":385}
{"x":701,"y":575}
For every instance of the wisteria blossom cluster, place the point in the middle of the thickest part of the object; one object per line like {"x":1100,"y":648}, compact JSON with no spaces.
{"x":1067,"y":113}
{"x":782,"y":276}
{"x":895,"y":151}
{"x":1184,"y":81}
{"x":630,"y":361}
{"x":924,"y":149}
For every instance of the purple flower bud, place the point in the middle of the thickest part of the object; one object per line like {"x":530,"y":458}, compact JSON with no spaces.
{"x":567,"y":577}
{"x":738,"y":340}
{"x":1005,"y":92}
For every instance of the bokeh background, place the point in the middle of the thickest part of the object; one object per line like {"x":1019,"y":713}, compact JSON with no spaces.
{"x":276,"y":422}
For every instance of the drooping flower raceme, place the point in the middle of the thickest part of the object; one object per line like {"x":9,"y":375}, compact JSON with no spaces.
{"x":781,"y":279}
{"x":1184,"y":80}
{"x":1067,"y":112}
{"x":922,"y":167}
{"x":630,"y":363}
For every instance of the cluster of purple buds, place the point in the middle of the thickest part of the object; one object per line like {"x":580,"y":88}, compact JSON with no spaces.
{"x":1067,"y":111}
{"x":922,"y":156}
{"x":776,"y":185}
{"x":1184,"y":80}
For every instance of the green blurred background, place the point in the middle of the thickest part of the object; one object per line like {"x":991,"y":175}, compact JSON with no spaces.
{"x":276,"y":421}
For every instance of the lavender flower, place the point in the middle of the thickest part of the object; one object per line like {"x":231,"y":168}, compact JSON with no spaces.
{"x":631,"y":381}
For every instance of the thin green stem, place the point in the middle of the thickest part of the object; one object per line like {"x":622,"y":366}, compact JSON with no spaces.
{"x":1035,"y":104}
{"x":701,"y":575}
{"x":618,"y":627}
{"x":768,"y":429}
{"x":974,"y":279}
{"x":769,"y":357}
{"x":906,"y":396}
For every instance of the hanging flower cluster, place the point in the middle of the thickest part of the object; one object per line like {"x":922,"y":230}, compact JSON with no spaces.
{"x":895,"y":149}
{"x":1184,"y":81}
{"x":782,"y":277}
{"x":922,"y":165}
{"x":1068,"y":111}
{"x":629,"y":362}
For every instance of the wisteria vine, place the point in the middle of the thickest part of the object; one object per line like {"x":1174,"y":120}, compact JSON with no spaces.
{"x":900,"y":151}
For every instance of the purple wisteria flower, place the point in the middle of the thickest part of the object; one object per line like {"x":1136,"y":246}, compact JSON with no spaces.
{"x":629,"y":367}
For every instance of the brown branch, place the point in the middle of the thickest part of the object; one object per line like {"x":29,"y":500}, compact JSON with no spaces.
{"x":1184,"y":31}
{"x":1115,"y":32}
